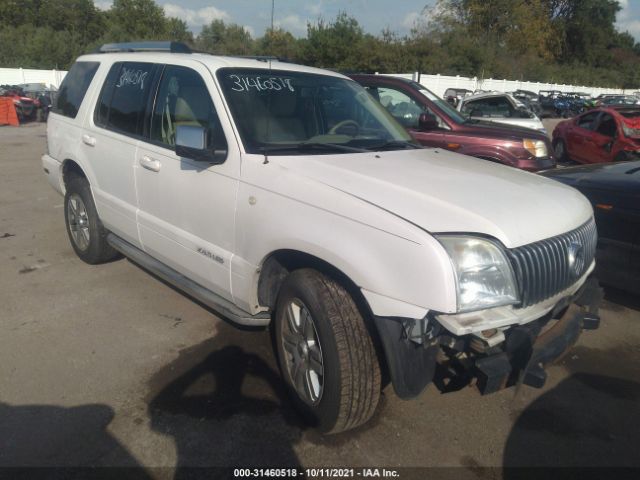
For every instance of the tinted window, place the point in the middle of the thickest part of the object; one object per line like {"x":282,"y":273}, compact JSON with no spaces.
{"x":586,"y":121}
{"x":183,"y":99}
{"x":489,"y":107}
{"x":101,"y":116}
{"x":607,"y":126}
{"x":124,"y":97}
{"x":74,"y":87}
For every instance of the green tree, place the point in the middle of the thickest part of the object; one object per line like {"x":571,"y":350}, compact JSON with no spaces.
{"x":333,"y":44}
{"x":222,"y":39}
{"x":279,"y":43}
{"x":129,"y":20}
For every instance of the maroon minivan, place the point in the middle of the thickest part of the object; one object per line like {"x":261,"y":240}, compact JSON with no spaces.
{"x":434,"y":123}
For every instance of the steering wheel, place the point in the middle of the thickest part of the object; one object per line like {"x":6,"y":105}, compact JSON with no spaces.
{"x":344,"y":123}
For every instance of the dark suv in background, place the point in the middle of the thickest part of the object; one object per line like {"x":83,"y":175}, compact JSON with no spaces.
{"x":434,"y":123}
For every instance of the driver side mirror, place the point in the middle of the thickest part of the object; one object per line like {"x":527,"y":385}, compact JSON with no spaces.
{"x":191,"y":142}
{"x":427,"y":121}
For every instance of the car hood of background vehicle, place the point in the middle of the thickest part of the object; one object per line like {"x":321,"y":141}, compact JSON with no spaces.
{"x":512,"y":132}
{"x":442,"y":191}
{"x":618,"y":177}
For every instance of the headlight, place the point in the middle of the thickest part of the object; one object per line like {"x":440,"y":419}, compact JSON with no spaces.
{"x":484,"y":277}
{"x":537,"y":148}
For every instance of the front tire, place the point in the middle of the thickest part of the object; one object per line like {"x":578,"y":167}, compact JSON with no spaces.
{"x":87,"y":234}
{"x":326,"y":354}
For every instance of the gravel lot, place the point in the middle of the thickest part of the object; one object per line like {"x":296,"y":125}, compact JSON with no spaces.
{"x":108,"y":366}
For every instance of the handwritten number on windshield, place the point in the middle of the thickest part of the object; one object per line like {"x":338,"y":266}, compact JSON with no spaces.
{"x":245,"y":84}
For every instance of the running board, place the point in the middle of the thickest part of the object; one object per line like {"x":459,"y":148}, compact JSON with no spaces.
{"x":212,"y":300}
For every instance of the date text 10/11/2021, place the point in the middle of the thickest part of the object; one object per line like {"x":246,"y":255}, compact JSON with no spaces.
{"x":316,"y":473}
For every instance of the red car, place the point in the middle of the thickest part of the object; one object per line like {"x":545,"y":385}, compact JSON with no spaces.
{"x":608,"y":134}
{"x":435,"y":123}
{"x":25,"y":106}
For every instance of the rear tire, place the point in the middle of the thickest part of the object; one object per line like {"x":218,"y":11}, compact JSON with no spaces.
{"x":87,"y":235}
{"x":326,"y":354}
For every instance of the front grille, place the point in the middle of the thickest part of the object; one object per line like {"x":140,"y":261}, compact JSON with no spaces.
{"x":545,"y":268}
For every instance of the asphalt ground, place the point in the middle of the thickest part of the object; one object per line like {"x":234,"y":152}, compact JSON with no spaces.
{"x":108,"y":366}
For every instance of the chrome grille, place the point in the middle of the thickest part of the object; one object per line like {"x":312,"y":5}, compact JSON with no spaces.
{"x":545,"y":268}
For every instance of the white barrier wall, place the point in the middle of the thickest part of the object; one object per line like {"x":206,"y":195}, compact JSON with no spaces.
{"x":439,"y":83}
{"x":436,"y":83}
{"x":15,"y":76}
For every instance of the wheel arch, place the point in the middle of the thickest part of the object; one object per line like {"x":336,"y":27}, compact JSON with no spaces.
{"x":278,"y":264}
{"x":71,"y":169}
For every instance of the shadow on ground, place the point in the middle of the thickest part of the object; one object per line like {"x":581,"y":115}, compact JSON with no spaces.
{"x":588,"y":420}
{"x":225,"y":406}
{"x":71,"y":438}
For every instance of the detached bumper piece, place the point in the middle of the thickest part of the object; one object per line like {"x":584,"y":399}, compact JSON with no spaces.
{"x":530,"y":348}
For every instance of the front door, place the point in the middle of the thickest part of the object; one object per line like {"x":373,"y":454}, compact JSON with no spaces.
{"x":186,"y":208}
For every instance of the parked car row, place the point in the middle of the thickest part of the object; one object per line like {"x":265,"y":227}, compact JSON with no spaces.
{"x":435,"y":123}
{"x":608,"y":137}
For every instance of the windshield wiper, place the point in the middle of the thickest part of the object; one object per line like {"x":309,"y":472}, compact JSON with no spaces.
{"x":304,"y":146}
{"x":395,"y":144}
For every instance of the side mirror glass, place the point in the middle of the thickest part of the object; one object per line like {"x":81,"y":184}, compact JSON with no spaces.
{"x":191,"y":142}
{"x":427,"y":121}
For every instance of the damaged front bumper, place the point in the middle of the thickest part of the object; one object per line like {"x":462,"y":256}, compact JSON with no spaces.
{"x":418,"y":352}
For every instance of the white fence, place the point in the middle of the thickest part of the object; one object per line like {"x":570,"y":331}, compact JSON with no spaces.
{"x":15,"y":76}
{"x":436,"y":83}
{"x":439,"y":83}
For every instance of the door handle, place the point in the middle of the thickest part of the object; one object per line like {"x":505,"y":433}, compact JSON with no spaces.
{"x":150,"y":164}
{"x":89,"y":140}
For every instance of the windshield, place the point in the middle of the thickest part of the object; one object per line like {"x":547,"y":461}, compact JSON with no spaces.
{"x":441,"y":104}
{"x":285,"y":112}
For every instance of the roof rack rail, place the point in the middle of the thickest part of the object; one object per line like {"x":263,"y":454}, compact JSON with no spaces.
{"x":260,"y":58}
{"x":156,"y":46}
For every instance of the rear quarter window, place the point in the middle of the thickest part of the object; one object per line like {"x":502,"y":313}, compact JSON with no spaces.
{"x":74,"y":87}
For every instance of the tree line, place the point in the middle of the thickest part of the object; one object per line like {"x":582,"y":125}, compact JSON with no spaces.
{"x":561,"y":41}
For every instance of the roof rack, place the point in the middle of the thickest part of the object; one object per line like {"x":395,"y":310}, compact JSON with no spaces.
{"x":172,"y":47}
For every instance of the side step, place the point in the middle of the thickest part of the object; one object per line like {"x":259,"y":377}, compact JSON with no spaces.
{"x":212,"y":300}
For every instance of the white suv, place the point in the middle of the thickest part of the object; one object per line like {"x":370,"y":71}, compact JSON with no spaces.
{"x":284,"y":195}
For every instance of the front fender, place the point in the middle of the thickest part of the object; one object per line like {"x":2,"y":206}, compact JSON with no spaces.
{"x":402,"y":270}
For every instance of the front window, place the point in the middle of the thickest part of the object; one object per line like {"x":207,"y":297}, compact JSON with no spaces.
{"x":284,"y":112}
{"x":451,"y":112}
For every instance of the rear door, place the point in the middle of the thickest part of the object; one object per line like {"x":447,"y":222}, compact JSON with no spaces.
{"x":599,"y":145}
{"x":578,"y":139}
{"x":110,"y":141}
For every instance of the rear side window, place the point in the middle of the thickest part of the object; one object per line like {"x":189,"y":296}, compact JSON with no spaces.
{"x":124,"y":97}
{"x":586,"y":121}
{"x":74,"y":87}
{"x":607,"y":126}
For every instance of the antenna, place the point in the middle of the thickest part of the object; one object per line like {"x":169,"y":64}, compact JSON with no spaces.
{"x":273,"y":7}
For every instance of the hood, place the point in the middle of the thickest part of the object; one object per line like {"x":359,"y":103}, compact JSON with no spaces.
{"x":618,"y":177}
{"x":442,"y":191}
{"x":498,"y":130}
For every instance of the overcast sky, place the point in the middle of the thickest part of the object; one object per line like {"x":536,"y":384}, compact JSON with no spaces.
{"x":293,"y":15}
